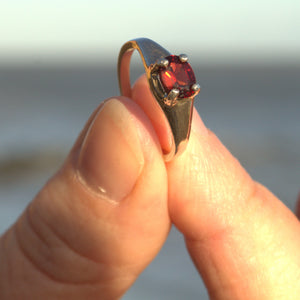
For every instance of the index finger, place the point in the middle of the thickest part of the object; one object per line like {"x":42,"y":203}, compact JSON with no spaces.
{"x":244,"y":242}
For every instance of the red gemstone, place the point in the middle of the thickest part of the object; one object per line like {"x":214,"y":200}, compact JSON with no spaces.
{"x":178,"y":75}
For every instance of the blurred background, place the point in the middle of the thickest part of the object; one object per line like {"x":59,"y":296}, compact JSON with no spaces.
{"x":58,"y":62}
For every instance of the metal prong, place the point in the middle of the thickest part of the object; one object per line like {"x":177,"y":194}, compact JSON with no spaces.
{"x":163,"y":63}
{"x":170,"y":100}
{"x":173,"y":94}
{"x":195,"y":87}
{"x":183,"y":58}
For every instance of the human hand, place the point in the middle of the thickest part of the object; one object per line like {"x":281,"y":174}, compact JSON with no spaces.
{"x":105,"y":215}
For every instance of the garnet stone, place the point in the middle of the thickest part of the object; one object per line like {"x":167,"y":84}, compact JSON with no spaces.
{"x":177,"y":75}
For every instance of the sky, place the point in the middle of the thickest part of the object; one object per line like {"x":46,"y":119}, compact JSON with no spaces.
{"x":93,"y":30}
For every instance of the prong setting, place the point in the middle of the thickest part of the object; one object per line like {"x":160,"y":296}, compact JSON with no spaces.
{"x":163,"y":63}
{"x":171,"y":98}
{"x":165,"y":74}
{"x":183,"y":58}
{"x":173,"y":94}
{"x":195,"y":87}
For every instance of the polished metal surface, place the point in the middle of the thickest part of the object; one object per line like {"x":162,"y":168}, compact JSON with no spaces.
{"x":183,"y":58}
{"x":177,"y":112}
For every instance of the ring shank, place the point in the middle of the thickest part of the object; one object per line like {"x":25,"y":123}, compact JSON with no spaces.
{"x":124,"y":73}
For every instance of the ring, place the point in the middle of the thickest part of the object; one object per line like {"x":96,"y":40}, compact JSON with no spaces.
{"x":172,"y":83}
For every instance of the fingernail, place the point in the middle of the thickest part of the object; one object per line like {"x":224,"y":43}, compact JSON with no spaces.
{"x":111,"y":157}
{"x":198,"y":125}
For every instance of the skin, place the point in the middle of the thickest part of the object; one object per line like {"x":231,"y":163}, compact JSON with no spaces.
{"x":103,"y":217}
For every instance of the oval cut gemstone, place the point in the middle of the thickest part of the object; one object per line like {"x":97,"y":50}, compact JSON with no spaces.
{"x":178,"y":75}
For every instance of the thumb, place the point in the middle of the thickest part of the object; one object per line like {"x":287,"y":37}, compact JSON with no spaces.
{"x":95,"y":225}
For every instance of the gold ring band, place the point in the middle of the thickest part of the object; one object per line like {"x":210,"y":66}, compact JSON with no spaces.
{"x":174,"y":95}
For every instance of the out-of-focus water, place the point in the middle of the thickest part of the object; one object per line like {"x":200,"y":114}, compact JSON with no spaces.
{"x":253,"y":109}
